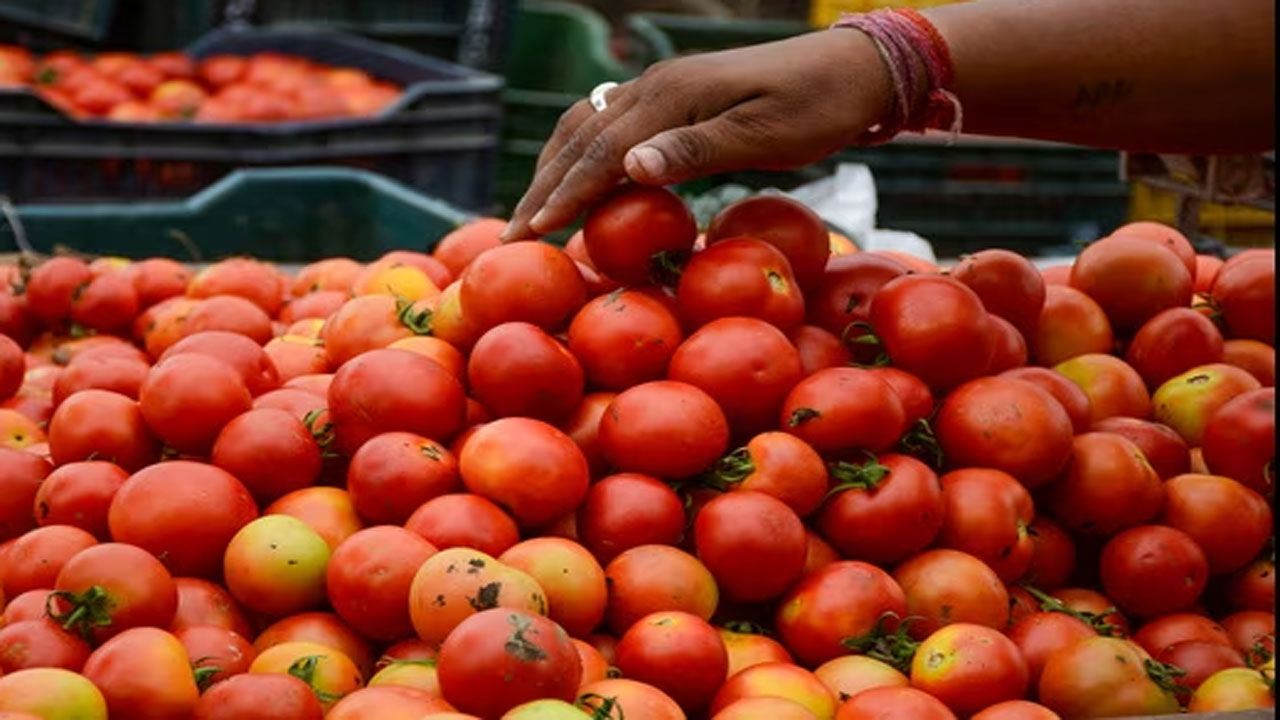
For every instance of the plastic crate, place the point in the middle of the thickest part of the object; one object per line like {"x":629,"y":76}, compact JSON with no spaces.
{"x":280,"y":214}
{"x":441,"y":136}
{"x":559,"y":52}
{"x":662,"y":36}
{"x":147,"y":25}
{"x":473,"y":33}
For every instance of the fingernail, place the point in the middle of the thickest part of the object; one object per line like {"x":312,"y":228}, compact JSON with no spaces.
{"x":647,"y":160}
{"x":539,"y":219}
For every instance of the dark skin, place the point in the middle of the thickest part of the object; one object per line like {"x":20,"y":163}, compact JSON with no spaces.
{"x":1172,"y":76}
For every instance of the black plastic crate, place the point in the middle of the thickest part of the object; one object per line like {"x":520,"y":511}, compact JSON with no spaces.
{"x":149,"y":25}
{"x":473,"y":33}
{"x":440,"y":136}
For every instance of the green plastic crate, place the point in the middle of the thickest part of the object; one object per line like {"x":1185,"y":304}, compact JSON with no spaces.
{"x":290,"y":215}
{"x":662,"y":36}
{"x":144,"y":25}
{"x":559,"y":52}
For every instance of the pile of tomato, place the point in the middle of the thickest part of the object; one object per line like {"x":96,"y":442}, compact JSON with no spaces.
{"x":174,"y":87}
{"x":655,"y":474}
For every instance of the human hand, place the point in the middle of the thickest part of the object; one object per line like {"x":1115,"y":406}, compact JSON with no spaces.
{"x":774,"y":106}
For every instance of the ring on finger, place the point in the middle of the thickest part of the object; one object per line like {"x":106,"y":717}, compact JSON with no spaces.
{"x":597,"y":96}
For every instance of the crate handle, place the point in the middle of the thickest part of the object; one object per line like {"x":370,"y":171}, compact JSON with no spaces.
{"x":239,"y":12}
{"x":19,"y":233}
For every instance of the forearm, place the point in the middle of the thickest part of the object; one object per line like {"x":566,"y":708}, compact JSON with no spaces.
{"x":1193,"y":76}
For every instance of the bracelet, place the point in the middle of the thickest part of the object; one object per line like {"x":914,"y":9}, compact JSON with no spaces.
{"x":920,"y":68}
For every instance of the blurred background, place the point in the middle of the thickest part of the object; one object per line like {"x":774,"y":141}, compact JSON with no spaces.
{"x":442,"y":106}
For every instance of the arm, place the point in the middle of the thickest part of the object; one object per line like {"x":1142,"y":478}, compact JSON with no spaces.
{"x":1153,"y":75}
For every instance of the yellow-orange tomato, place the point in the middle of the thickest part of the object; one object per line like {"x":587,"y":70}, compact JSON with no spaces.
{"x":329,"y":672}
{"x":456,"y":583}
{"x":328,"y":510}
{"x":569,"y":575}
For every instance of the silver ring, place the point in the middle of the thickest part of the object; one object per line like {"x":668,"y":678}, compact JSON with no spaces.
{"x":597,"y":95}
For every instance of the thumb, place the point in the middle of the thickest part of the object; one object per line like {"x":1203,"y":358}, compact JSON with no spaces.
{"x":685,"y":153}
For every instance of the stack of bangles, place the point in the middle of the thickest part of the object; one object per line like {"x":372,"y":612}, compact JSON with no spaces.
{"x":920,"y":67}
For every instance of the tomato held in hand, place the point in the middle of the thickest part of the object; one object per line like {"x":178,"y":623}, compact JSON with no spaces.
{"x":933,"y":327}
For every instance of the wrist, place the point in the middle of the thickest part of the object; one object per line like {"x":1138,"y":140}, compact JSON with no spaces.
{"x":869,"y":75}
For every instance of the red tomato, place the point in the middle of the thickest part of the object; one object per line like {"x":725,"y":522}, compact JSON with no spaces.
{"x":653,"y":578}
{"x":623,"y":339}
{"x":1009,"y":286}
{"x":819,"y":349}
{"x":637,"y":234}
{"x":464,"y":520}
{"x":933,"y":327}
{"x":162,"y":325}
{"x":107,"y":304}
{"x":743,"y":277}
{"x":843,"y":297}
{"x":775,"y":708}
{"x":517,"y":369}
{"x":678,"y":653}
{"x":1114,"y":388}
{"x":628,"y":510}
{"x":319,"y":304}
{"x":842,"y":410}
{"x":34,"y":558}
{"x":948,"y":586}
{"x":52,"y":285}
{"x":1010,"y":347}
{"x":916,"y":398}
{"x":781,"y":680}
{"x":79,"y":494}
{"x":107,"y":589}
{"x":750,"y":564}
{"x":230,"y":313}
{"x":101,"y":372}
{"x":1017,"y":710}
{"x":154,"y":510}
{"x":784,"y":223}
{"x":1070,"y":324}
{"x":253,"y":280}
{"x":893,"y":703}
{"x":572,"y":579}
{"x":202,"y":603}
{"x":1254,"y":587}
{"x":1227,"y":520}
{"x":1166,"y":631}
{"x":883,"y":511}
{"x":1040,"y":634}
{"x":40,"y":643}
{"x":157,"y":279}
{"x":635,"y":699}
{"x":1053,"y":557}
{"x":844,"y":600}
{"x":530,"y":468}
{"x":746,"y":365}
{"x":390,"y":702}
{"x":1132,"y":279}
{"x":1068,"y":394}
{"x":1239,"y":440}
{"x":1102,"y":677}
{"x":500,"y":658}
{"x":144,"y":673}
{"x":987,"y":515}
{"x":188,"y":398}
{"x":1257,"y":358}
{"x":1108,"y":486}
{"x":457,"y":249}
{"x":29,"y":605}
{"x":369,"y":576}
{"x":261,"y":697}
{"x":16,"y":321}
{"x":368,"y":322}
{"x":1253,"y":634}
{"x":1207,"y":267}
{"x":215,"y":653}
{"x":270,"y":451}
{"x":1199,"y":659}
{"x":1008,"y":425}
{"x":395,"y":472}
{"x":240,"y":353}
{"x":1245,"y":293}
{"x":583,"y":427}
{"x":1173,"y":342}
{"x":367,"y":398}
{"x":746,"y":649}
{"x":1163,"y":448}
{"x":1152,"y":570}
{"x":101,"y":424}
{"x":969,"y":667}
{"x":663,"y":428}
{"x":780,"y":465}
{"x":523,"y":281}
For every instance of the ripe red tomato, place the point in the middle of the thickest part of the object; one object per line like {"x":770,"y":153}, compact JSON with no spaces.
{"x":1166,"y":631}
{"x":153,"y":510}
{"x":464,"y":520}
{"x":522,"y":281}
{"x":1010,"y":347}
{"x":1008,"y":284}
{"x":749,"y":562}
{"x":636,"y":234}
{"x":322,"y":628}
{"x":746,"y":365}
{"x":369,"y":576}
{"x":632,"y":698}
{"x":215,"y":653}
{"x":16,"y":321}
{"x":79,"y":494}
{"x":916,"y":398}
{"x":500,"y":658}
{"x":1227,"y":520}
{"x":39,"y":643}
{"x":893,"y":703}
{"x":104,"y":425}
{"x":1068,"y":394}
{"x":775,"y":708}
{"x":1071,"y":323}
{"x":394,"y":473}
{"x":52,"y":286}
{"x":933,"y":327}
{"x":987,"y":515}
{"x":1198,"y":659}
{"x":1245,"y":292}
{"x":746,"y":649}
{"x":843,"y":297}
{"x":1053,"y":556}
{"x":819,"y":349}
{"x":780,"y":465}
{"x":368,"y":322}
{"x":743,"y":277}
{"x":239,"y":352}
{"x":1258,"y":358}
{"x":1114,"y":388}
{"x":253,"y":280}
{"x":842,"y":410}
{"x":249,"y":696}
{"x":846,"y":599}
{"x":144,"y":673}
{"x":883,"y":511}
{"x":1131,"y":279}
{"x":270,"y":451}
{"x":969,"y":667}
{"x":786,"y":224}
{"x":230,"y":313}
{"x":1239,"y":440}
{"x":1253,"y":634}
{"x":101,"y":372}
{"x":1040,"y":634}
{"x":530,"y":468}
{"x":1173,"y":342}
{"x":319,"y":304}
{"x":203,"y":603}
{"x":1008,"y":425}
{"x":1107,"y":486}
{"x":628,"y":510}
{"x":678,"y":653}
{"x":35,"y":557}
{"x":583,"y":427}
{"x":106,"y":304}
{"x":1102,"y":677}
{"x":1162,"y":447}
{"x":367,"y":398}
{"x":945,"y":586}
{"x":157,"y":279}
{"x":1152,"y":570}
{"x":518,"y":369}
{"x":1165,"y":236}
{"x":188,"y":398}
{"x":623,"y":339}
{"x":652,"y":578}
{"x":663,"y":428}
{"x":114,"y":587}
{"x":572,"y":579}
{"x":457,"y":249}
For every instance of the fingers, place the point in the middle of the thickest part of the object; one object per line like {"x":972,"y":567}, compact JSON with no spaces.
{"x":739,"y":138}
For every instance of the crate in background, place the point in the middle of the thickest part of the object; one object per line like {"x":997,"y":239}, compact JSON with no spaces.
{"x":660,"y":36}
{"x":141,"y":25}
{"x":292,"y":215}
{"x":441,"y":136}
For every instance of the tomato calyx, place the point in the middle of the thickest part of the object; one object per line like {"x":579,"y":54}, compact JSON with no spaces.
{"x":1097,"y":621}
{"x":729,"y":470}
{"x":895,"y":649}
{"x":304,"y":668}
{"x":800,"y":416}
{"x":1165,"y":676}
{"x":323,"y":434}
{"x":1259,"y":654}
{"x":921,"y":442}
{"x":745,"y":627}
{"x":853,"y":476}
{"x":866,"y":337}
{"x":89,"y":609}
{"x":666,"y":266}
{"x":204,"y":674}
{"x":601,"y":707}
{"x":418,"y":322}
